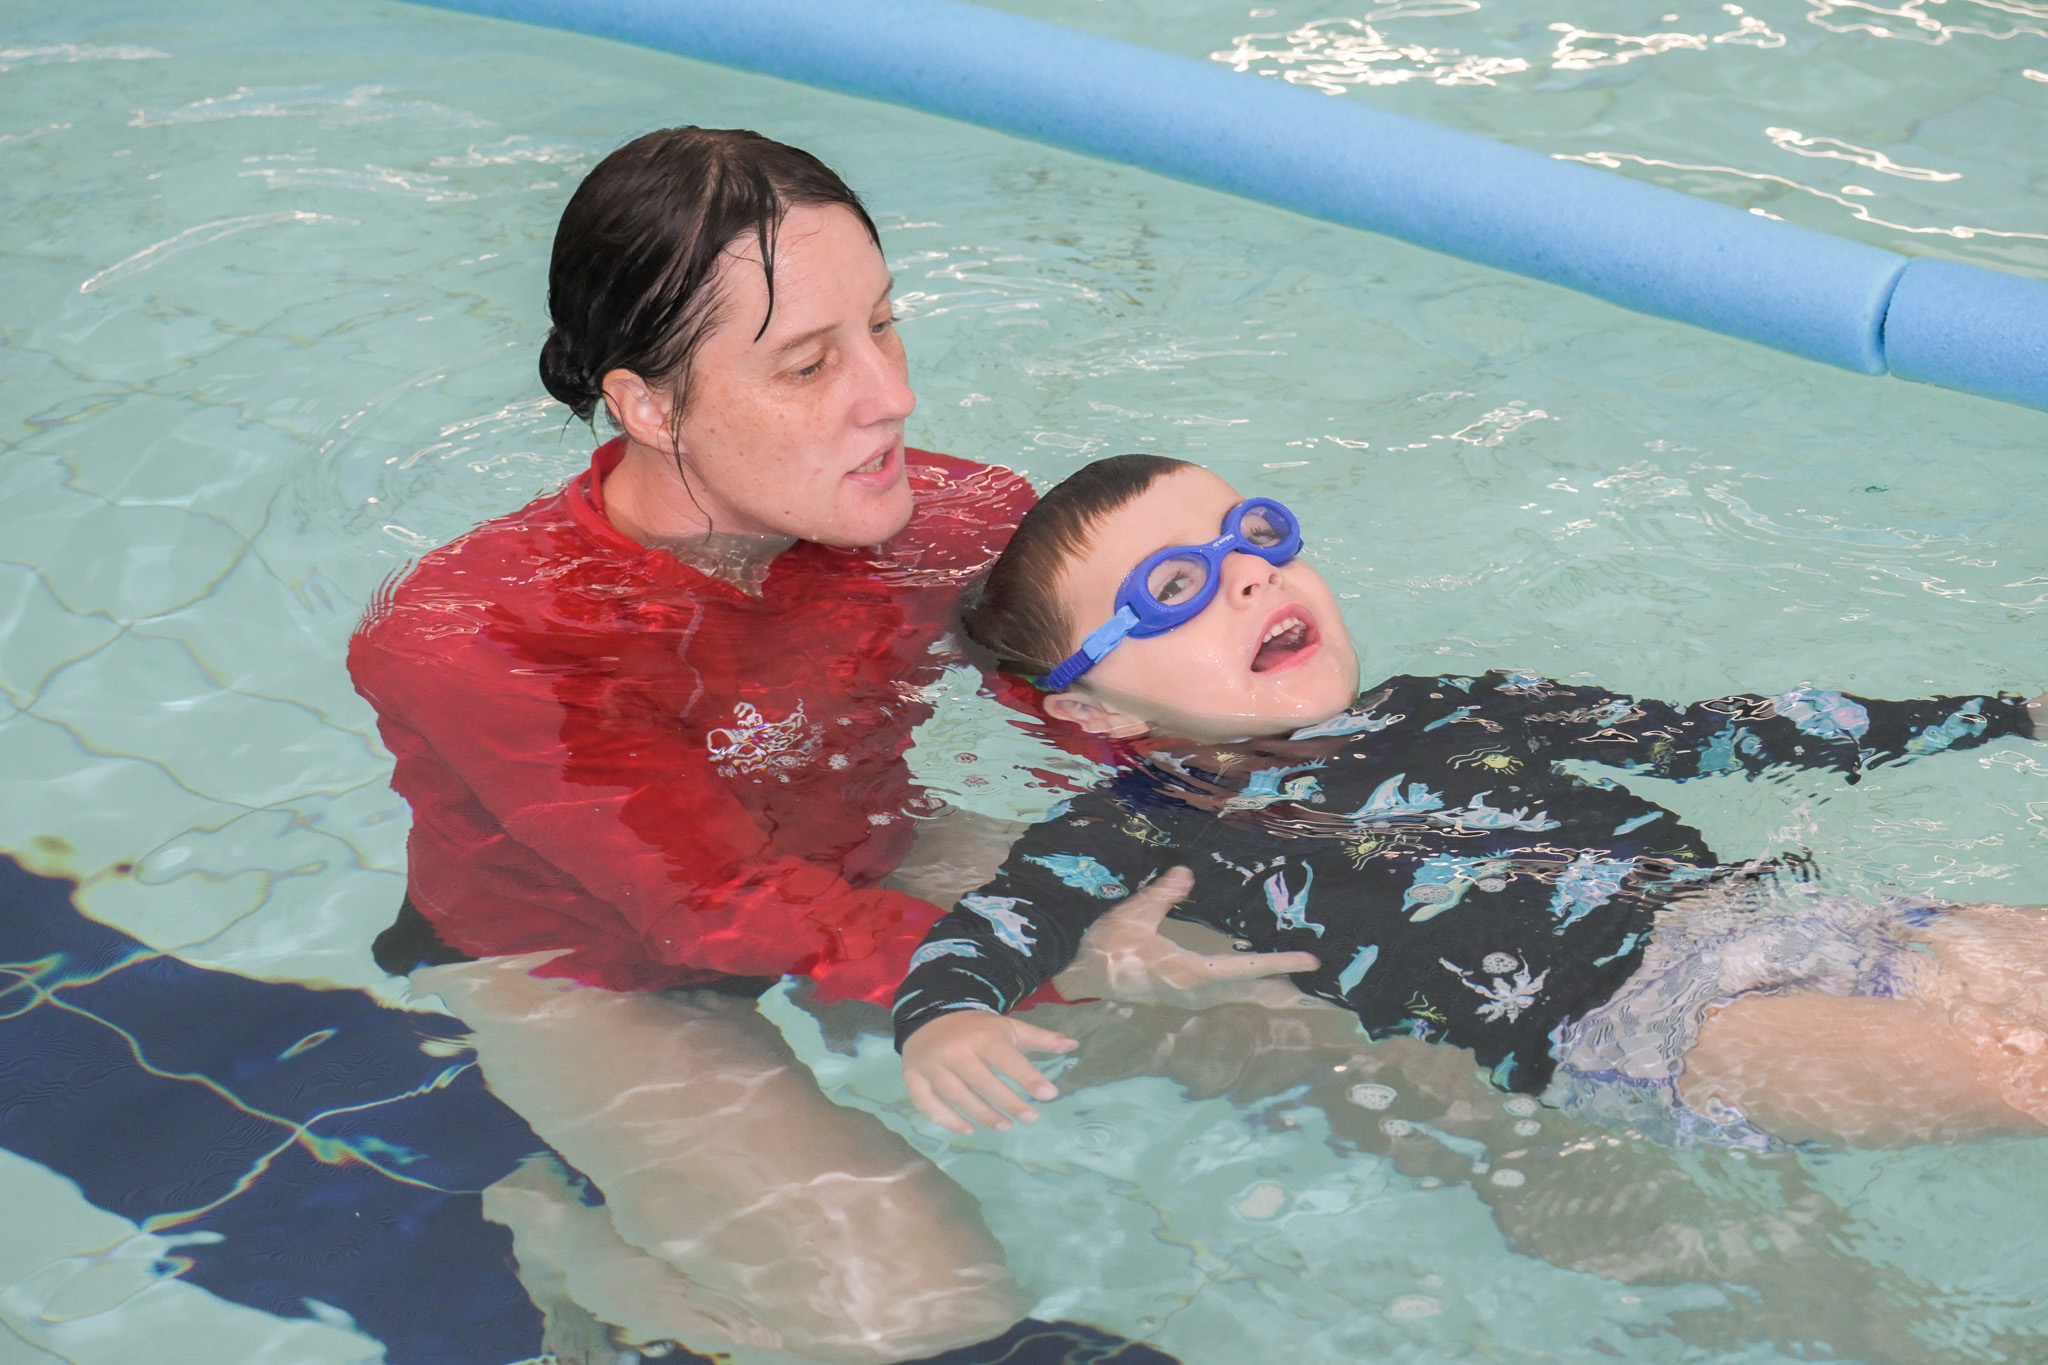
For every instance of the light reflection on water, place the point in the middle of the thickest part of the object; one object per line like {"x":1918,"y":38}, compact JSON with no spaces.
{"x":271,"y":332}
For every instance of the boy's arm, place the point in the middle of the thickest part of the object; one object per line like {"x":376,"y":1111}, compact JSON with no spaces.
{"x":1805,"y":727}
{"x":999,"y":944}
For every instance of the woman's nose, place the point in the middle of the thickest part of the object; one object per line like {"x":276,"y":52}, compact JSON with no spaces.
{"x":884,"y":379}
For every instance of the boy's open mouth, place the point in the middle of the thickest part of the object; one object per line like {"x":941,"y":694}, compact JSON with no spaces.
{"x":1289,"y":638}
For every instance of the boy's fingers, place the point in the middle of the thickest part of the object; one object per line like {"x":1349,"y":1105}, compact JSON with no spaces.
{"x":1244,"y":966}
{"x":1039,"y":1039}
{"x":1147,"y":908}
{"x":957,"y":1092}
{"x":1013,"y":1064}
{"x":932,"y":1107}
{"x":991,"y":1087}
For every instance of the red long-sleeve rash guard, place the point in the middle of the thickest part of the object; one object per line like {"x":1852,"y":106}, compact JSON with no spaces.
{"x":609,"y":752}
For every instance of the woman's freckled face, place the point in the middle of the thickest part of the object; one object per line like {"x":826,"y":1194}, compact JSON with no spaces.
{"x":1270,"y":653}
{"x":800,"y":431}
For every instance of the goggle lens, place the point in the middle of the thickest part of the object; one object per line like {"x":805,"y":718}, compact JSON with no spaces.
{"x":1177,"y":579}
{"x":1264,"y":527}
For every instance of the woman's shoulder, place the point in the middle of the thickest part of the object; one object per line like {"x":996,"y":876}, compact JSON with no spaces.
{"x":965,"y":514}
{"x":525,"y":563}
{"x":987,"y":486}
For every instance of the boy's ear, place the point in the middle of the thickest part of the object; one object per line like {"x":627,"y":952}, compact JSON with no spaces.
{"x":1078,"y":708}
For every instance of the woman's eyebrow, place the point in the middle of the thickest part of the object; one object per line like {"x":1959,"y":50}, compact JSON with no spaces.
{"x":807,"y":337}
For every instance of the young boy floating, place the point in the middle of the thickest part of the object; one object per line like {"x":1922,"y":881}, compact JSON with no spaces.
{"x":1452,"y":883}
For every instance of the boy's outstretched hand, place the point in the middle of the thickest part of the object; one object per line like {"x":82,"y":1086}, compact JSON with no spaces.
{"x":955,"y":1066}
{"x":1125,"y":957}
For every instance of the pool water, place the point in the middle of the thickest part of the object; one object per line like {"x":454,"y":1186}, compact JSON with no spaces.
{"x":271,"y":296}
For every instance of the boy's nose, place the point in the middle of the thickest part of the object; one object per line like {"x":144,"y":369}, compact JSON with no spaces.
{"x":1246,"y":578}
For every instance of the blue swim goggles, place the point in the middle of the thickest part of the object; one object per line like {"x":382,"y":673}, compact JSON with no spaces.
{"x":1171,"y":587}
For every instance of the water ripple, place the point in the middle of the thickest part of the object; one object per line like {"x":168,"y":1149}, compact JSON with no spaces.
{"x":335,"y":104}
{"x":1332,"y":55}
{"x":159,"y":252}
{"x":1849,"y":196}
{"x":12,"y":57}
{"x":1912,"y":22}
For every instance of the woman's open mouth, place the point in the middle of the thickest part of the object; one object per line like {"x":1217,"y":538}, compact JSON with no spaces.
{"x":1290,"y":638}
{"x":879,"y":471}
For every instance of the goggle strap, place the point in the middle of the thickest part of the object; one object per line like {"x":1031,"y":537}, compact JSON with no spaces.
{"x":1105,"y":637}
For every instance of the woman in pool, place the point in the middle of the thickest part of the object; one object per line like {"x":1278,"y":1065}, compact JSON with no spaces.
{"x":651,"y":728}
{"x":1582,"y":942}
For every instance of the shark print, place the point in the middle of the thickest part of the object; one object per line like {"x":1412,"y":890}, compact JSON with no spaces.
{"x":1083,"y":874}
{"x":1476,"y":814}
{"x":1389,"y":803}
{"x":945,"y":947}
{"x":1013,"y":930}
{"x":1357,"y":720}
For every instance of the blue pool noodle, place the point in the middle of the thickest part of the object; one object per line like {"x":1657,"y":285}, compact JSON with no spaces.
{"x":1642,"y":246}
{"x":1981,"y":331}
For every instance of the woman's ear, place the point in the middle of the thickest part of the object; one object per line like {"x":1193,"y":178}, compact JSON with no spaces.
{"x":1078,"y":708}
{"x":643,"y":410}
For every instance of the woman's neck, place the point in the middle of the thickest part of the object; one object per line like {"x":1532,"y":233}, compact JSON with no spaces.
{"x":647,"y":500}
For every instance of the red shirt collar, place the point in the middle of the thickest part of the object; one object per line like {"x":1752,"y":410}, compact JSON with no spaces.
{"x":585,"y":498}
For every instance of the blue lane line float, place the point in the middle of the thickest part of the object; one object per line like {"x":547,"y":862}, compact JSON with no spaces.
{"x":1642,"y":246}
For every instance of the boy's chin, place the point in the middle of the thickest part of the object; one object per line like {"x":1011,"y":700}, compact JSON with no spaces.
{"x":1166,"y":721}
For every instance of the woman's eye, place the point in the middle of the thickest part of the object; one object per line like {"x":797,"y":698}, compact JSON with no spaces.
{"x":807,"y":371}
{"x":884,"y":325}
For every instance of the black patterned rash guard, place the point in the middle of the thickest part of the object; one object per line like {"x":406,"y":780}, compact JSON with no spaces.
{"x":1457,"y":885}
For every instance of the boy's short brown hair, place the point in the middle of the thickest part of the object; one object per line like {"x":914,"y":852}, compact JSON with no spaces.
{"x":1015,"y":611}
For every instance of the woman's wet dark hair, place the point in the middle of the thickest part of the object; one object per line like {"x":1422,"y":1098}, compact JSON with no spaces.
{"x":631,"y":284}
{"x":1015,"y":612}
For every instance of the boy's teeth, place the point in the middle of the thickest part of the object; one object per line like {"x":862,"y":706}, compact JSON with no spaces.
{"x":1281,"y":628}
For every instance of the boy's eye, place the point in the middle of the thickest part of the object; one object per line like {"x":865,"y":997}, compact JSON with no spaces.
{"x":1174,"y":580}
{"x":882,"y":325}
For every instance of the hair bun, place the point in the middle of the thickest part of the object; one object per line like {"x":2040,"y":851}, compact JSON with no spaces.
{"x":565,"y":377}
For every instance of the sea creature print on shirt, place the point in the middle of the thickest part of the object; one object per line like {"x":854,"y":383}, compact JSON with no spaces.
{"x":1389,"y":802}
{"x":1012,"y":929}
{"x":1505,"y":999}
{"x":1464,"y":715}
{"x":1290,"y":908}
{"x":1823,"y":714}
{"x":1442,"y":881}
{"x":1493,"y":758}
{"x":1361,"y":963}
{"x":1358,"y":720}
{"x":1585,"y":885}
{"x":1967,"y":723}
{"x":944,"y":947}
{"x":1478,"y":815}
{"x":1270,"y":785}
{"x":1082,"y":873}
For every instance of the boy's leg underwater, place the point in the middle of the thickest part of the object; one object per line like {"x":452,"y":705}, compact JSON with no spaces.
{"x":1962,"y":1052}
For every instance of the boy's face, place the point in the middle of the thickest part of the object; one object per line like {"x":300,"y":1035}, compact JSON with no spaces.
{"x":1268,"y":655}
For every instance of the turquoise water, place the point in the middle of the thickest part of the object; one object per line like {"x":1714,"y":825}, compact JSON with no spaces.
{"x":271,"y":295}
